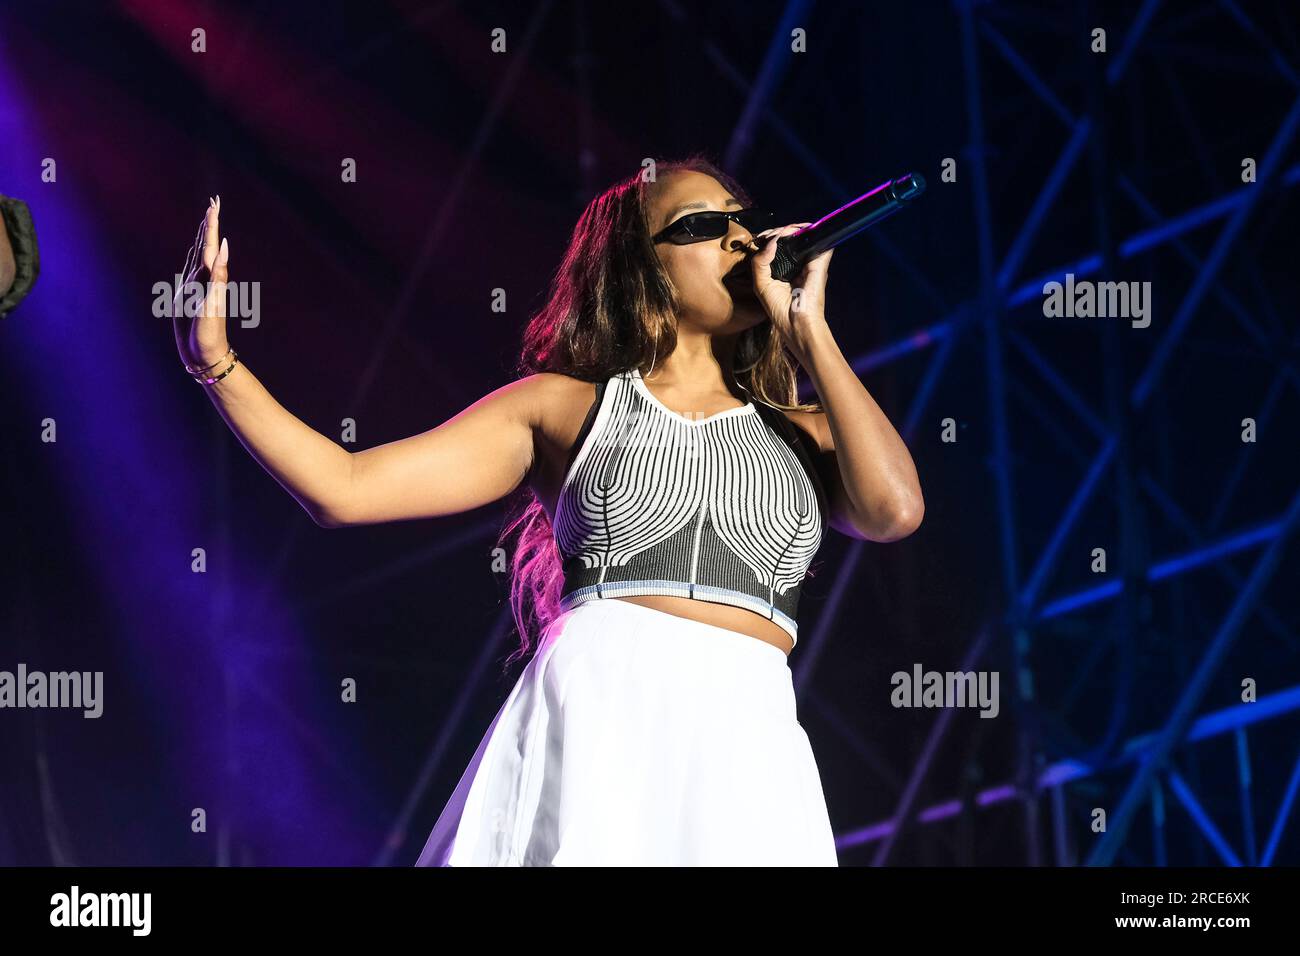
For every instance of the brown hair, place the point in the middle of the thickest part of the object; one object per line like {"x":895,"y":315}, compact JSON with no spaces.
{"x":611,"y":308}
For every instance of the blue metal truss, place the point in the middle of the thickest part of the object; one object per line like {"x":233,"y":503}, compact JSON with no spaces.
{"x":989,"y":312}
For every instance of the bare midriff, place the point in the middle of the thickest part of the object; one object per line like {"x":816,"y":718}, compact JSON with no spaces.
{"x":736,"y":619}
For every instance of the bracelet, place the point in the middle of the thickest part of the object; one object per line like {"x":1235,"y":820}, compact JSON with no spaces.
{"x":205,"y":380}
{"x":195,"y":369}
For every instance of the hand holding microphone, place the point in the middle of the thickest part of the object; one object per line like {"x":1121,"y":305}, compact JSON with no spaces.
{"x":801,"y":247}
{"x":791,"y":267}
{"x":797,"y":307}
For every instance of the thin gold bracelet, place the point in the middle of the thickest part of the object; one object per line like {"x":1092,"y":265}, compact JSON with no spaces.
{"x":202,"y":380}
{"x":195,"y":369}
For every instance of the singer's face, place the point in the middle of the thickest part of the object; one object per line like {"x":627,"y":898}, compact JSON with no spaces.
{"x":697,"y":269}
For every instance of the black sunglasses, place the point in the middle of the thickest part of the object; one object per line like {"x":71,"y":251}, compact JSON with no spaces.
{"x":712,"y":224}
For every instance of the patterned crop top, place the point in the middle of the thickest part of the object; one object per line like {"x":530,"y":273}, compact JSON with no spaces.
{"x":727,"y":509}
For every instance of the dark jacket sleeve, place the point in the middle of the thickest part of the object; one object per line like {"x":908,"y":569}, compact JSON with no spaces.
{"x":17,"y":221}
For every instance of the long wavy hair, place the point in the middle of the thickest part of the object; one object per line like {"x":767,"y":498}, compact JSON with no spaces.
{"x":611,"y":308}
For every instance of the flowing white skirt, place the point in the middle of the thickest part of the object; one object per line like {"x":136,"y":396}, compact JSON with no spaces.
{"x":635,"y":737}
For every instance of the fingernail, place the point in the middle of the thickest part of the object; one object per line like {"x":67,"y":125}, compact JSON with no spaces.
{"x":225,"y":251}
{"x":218,"y":200}
{"x":211,"y":202}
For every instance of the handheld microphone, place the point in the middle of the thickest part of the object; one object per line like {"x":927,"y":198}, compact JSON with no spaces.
{"x":794,"y":251}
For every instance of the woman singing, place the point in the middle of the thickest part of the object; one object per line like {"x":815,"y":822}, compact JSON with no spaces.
{"x":675,"y":496}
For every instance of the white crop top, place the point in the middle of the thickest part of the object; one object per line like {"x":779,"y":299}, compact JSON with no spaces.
{"x":727,"y":509}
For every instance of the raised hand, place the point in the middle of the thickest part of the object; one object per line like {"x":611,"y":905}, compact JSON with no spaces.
{"x":201,"y":339}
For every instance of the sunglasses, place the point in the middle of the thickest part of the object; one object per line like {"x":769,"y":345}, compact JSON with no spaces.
{"x":701,"y":226}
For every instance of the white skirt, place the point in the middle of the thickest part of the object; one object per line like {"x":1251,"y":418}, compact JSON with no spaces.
{"x":635,"y":737}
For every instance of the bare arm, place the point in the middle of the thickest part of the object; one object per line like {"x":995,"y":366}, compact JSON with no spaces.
{"x":313,"y":469}
{"x":870,"y":478}
{"x":471,"y":460}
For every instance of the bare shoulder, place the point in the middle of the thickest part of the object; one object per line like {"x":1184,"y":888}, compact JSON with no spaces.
{"x":543,"y":398}
{"x":557,"y":384}
{"x":556,"y":398}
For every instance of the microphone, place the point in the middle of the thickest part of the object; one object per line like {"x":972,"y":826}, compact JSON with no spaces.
{"x":794,"y":251}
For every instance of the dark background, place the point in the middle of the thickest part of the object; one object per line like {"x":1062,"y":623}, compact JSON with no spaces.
{"x":222,"y":688}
